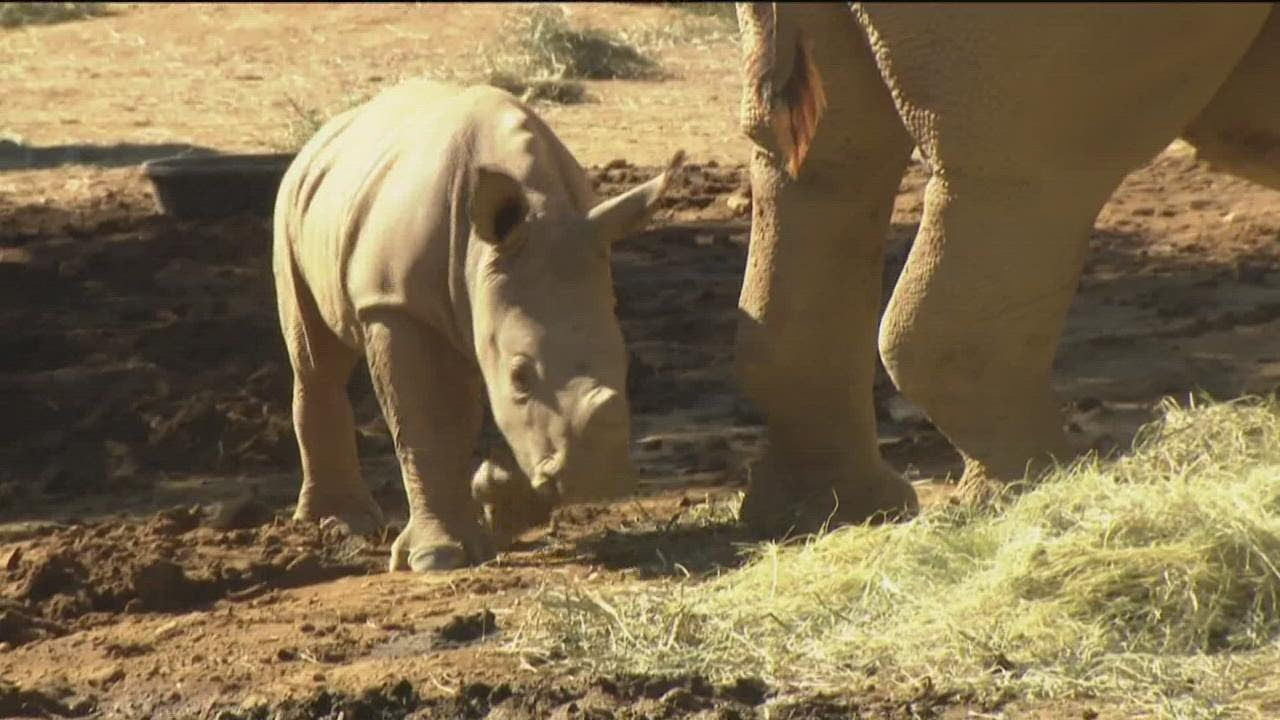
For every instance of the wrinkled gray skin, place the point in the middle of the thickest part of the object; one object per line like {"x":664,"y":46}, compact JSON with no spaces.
{"x":1029,"y":115}
{"x":448,"y":237}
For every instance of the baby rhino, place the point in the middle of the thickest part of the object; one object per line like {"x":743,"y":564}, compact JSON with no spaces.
{"x":447,"y":236}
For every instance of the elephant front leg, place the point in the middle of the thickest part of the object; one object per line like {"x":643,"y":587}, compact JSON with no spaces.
{"x":806,"y":343}
{"x":430,"y":398}
{"x":811,"y":296}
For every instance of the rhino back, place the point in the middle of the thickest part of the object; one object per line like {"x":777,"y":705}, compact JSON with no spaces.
{"x":367,"y":209}
{"x":374,"y":207}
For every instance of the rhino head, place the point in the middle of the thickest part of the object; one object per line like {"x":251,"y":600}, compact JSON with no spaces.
{"x":547,"y":339}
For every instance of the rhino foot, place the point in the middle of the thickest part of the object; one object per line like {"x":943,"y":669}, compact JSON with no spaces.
{"x":359,"y":512}
{"x":511,"y":506}
{"x":428,"y":545}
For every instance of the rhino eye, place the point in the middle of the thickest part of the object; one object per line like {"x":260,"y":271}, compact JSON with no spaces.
{"x":523,"y":376}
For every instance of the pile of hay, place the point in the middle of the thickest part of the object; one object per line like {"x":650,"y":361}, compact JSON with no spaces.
{"x":1151,"y":581}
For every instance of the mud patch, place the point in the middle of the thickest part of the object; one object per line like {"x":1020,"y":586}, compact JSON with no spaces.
{"x":634,"y":697}
{"x":468,"y":628}
{"x":132,"y":344}
{"x":82,"y":576}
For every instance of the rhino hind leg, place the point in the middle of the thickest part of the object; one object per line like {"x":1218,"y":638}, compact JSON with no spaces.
{"x":322,"y":416}
{"x":431,"y":400}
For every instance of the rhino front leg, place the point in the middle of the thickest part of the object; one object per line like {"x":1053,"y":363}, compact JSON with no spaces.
{"x":430,"y":397}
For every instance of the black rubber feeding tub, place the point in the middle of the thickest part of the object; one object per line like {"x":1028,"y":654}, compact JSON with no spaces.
{"x":206,"y":187}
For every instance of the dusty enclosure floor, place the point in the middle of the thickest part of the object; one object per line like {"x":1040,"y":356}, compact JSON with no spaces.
{"x":148,"y":461}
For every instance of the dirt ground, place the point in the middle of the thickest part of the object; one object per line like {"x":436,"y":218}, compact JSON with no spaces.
{"x":148,"y":465}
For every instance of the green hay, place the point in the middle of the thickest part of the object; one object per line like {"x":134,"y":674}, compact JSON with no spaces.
{"x":1150,"y":582}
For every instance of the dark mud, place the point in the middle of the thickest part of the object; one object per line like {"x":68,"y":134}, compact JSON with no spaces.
{"x":133,"y":345}
{"x":605,"y":698}
{"x":181,"y":559}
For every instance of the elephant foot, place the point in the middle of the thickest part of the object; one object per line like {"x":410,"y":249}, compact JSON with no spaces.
{"x":768,"y":507}
{"x":775,"y":507}
{"x":429,"y":545}
{"x":888,"y":499}
{"x":980,"y":487}
{"x":356,"y":509}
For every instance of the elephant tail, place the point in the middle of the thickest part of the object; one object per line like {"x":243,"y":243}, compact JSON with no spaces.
{"x":783,"y":97}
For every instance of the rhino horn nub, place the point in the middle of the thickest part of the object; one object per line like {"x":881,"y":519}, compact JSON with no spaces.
{"x":620,"y":216}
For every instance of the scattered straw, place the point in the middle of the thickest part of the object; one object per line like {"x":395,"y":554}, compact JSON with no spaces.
{"x":1150,"y":581}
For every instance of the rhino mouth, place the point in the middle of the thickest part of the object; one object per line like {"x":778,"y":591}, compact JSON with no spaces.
{"x":545,"y":477}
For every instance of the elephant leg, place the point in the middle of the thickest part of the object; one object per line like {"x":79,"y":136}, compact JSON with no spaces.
{"x":811,"y":298}
{"x":1030,"y":116}
{"x":430,"y":398}
{"x":1239,"y":131}
{"x":322,"y":417}
{"x":972,"y":328}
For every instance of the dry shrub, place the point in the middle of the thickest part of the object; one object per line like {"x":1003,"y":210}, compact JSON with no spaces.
{"x":19,"y":14}
{"x":1150,"y":582}
{"x":537,"y":52}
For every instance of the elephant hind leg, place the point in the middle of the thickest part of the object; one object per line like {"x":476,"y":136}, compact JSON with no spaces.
{"x":972,"y":329}
{"x":1239,"y":130}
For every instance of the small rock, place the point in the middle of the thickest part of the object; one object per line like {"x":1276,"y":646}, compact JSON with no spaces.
{"x":681,"y":699}
{"x":718,"y":443}
{"x":175,"y":521}
{"x":651,"y":444}
{"x":902,"y":410}
{"x":740,"y":201}
{"x":107,"y":676}
{"x":161,"y":584}
{"x":169,"y":629}
{"x":466,"y":628}
{"x":241,"y":513}
{"x":749,"y":691}
{"x":1087,"y":404}
{"x":304,"y":569}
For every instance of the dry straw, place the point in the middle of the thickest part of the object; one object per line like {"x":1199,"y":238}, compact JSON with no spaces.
{"x":1150,"y":582}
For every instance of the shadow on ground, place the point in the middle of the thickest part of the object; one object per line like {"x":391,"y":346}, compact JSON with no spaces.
{"x":17,"y":156}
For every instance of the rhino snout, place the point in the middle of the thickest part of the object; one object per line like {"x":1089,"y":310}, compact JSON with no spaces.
{"x":594,"y":462}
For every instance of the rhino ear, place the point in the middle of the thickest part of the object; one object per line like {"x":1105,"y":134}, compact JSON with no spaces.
{"x":498,"y":208}
{"x":618,"y":217}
